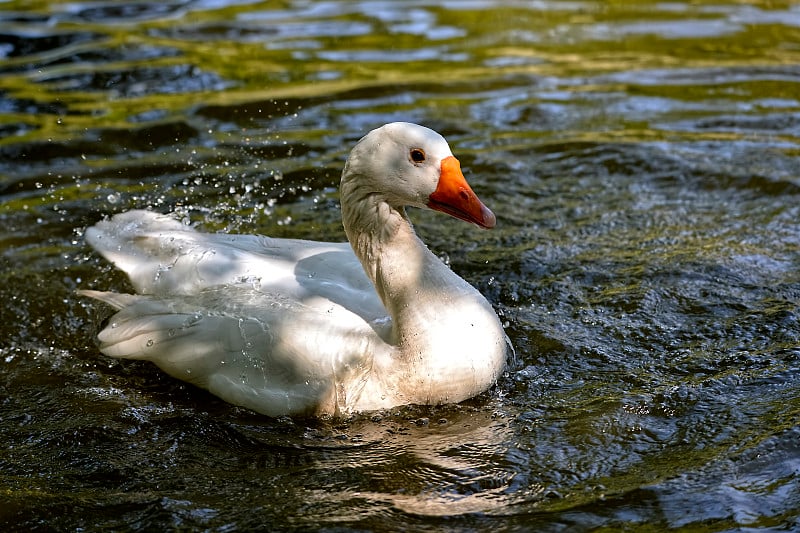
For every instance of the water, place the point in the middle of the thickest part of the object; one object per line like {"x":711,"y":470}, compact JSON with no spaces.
{"x":644,"y":163}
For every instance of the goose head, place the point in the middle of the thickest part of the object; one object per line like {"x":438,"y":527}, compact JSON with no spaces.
{"x":411,"y":165}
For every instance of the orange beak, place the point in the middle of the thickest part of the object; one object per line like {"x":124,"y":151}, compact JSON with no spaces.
{"x":454,"y":196}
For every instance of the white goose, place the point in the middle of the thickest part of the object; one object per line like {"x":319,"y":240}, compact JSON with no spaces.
{"x":286,"y":326}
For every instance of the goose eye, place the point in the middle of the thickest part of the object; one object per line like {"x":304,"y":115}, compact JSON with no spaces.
{"x":417,"y":155}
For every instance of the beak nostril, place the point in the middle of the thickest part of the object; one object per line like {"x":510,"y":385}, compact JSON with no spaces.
{"x":454,"y":196}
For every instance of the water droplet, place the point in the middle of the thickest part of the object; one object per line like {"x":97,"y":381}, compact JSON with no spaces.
{"x":192,"y":320}
{"x":150,"y":343}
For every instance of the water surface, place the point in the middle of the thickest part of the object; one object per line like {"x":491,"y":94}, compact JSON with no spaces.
{"x":644,"y":163}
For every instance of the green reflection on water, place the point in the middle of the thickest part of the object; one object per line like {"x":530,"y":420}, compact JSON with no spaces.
{"x":250,"y":53}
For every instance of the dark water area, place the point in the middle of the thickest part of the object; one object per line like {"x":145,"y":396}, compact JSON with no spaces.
{"x":643,"y":160}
